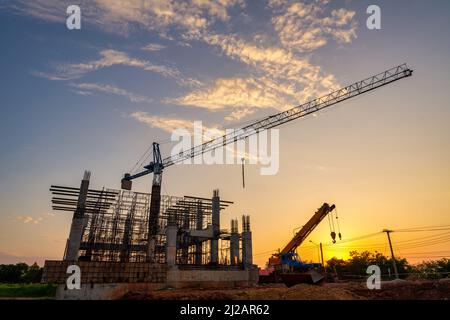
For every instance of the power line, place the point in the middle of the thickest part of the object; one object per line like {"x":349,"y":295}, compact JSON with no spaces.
{"x":429,"y":228}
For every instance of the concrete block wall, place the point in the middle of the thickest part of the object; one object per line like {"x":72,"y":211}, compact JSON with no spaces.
{"x":106,"y":272}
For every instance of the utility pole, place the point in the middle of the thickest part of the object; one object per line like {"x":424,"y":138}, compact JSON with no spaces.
{"x":392,"y":252}
{"x":321,"y":255}
{"x":319,"y":250}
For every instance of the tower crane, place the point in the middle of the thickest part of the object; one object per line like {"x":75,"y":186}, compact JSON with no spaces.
{"x":159,"y":164}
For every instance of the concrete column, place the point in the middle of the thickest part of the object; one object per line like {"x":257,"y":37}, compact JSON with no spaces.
{"x":234,"y":243}
{"x":185,"y":240}
{"x":247,"y":254}
{"x":199,"y":226}
{"x":151,"y":249}
{"x":153,"y":219}
{"x":78,"y":221}
{"x":216,"y":227}
{"x":171,"y":245}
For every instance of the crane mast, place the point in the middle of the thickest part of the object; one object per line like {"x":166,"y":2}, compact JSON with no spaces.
{"x":158,"y":164}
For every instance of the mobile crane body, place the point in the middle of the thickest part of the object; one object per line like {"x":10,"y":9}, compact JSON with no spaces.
{"x":287,"y":264}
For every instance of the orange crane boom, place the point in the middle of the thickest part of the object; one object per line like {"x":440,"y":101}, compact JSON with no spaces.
{"x":301,"y":235}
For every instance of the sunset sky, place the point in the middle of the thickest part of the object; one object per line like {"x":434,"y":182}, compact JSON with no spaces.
{"x":96,"y":98}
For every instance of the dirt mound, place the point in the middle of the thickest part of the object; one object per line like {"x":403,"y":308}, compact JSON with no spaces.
{"x":390,"y":290}
{"x":276,"y":292}
{"x":406,"y":290}
{"x":180,"y":295}
{"x":314,"y":292}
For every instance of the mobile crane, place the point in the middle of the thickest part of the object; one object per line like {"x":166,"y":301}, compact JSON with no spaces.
{"x":287,"y":265}
{"x":158,"y":164}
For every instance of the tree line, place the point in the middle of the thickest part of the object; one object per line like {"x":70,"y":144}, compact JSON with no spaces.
{"x":355,"y":267}
{"x":20,"y":273}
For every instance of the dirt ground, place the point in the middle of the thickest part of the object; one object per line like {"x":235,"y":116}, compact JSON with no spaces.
{"x":397,"y":290}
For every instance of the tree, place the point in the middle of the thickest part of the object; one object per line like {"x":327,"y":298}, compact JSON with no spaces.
{"x":356,"y":266}
{"x":433,"y":269}
{"x":12,"y":273}
{"x":33,"y":274}
{"x":20,"y":273}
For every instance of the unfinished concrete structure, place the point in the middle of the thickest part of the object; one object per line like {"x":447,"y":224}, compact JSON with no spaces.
{"x":113,"y":240}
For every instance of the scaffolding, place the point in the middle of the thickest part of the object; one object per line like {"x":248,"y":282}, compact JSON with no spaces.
{"x":116,"y":225}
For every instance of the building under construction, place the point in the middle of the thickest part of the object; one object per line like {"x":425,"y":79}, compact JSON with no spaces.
{"x":114,"y":239}
{"x":117,"y":235}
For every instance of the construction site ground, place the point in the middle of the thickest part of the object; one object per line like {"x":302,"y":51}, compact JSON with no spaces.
{"x":390,"y":290}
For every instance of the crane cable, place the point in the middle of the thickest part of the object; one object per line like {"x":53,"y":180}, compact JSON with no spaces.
{"x":141,"y":159}
{"x":338,"y":226}
{"x":332,"y":228}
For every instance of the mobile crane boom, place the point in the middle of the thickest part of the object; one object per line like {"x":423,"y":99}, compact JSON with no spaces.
{"x":304,"y":232}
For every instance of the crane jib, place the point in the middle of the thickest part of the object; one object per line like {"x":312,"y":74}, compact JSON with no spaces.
{"x":355,"y":89}
{"x":340,"y":95}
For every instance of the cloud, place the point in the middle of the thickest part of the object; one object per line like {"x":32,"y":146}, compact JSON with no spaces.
{"x":277,"y":71}
{"x":272,"y":61}
{"x":51,"y":11}
{"x":153,"y":47}
{"x":239,"y":114}
{"x":29,"y":219}
{"x":241,"y":93}
{"x":305,"y":27}
{"x":278,"y":79}
{"x":109,"y":58}
{"x":87,"y":88}
{"x":170,"y":124}
{"x":163,"y":123}
{"x":189,"y":17}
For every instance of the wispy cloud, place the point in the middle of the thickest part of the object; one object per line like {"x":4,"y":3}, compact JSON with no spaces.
{"x":304,"y":26}
{"x":240,"y":93}
{"x":87,"y":88}
{"x":279,"y":79}
{"x":164,"y":123}
{"x":29,"y":219}
{"x":153,"y":47}
{"x":189,"y":17}
{"x":108,"y":58}
{"x":281,"y":76}
{"x":169,"y":124}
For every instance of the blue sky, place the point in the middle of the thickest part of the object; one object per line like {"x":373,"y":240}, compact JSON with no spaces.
{"x":96,"y":98}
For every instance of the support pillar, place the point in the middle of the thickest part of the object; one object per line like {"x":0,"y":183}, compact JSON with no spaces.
{"x":247,"y":254}
{"x":216,"y":227}
{"x":171,"y":247}
{"x":199,"y":226}
{"x":153,"y":221}
{"x":234,"y":243}
{"x":78,"y":221}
